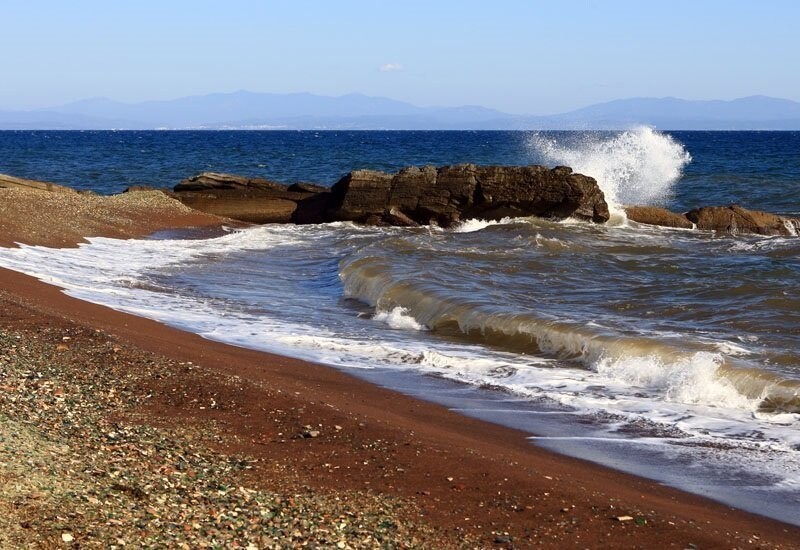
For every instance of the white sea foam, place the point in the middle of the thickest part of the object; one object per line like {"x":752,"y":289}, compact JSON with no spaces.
{"x":398,"y":318}
{"x":638,"y":166}
{"x":475,"y":224}
{"x":692,"y":379}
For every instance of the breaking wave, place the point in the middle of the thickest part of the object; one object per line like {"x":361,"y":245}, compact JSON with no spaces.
{"x":638,"y":166}
{"x":689,"y":374}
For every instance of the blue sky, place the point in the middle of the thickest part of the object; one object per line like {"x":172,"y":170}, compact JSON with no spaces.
{"x":518,"y":56}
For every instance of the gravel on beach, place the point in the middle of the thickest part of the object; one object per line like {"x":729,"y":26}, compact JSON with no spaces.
{"x":81,"y":466}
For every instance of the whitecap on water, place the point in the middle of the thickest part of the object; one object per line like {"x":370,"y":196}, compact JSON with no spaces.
{"x":637,"y":166}
{"x":398,"y":318}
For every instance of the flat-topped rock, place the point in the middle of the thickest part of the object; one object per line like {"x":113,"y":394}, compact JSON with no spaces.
{"x":253,"y":200}
{"x":214,"y":181}
{"x":447,"y":194}
{"x":653,"y":215}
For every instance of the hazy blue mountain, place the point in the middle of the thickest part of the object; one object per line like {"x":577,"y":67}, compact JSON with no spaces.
{"x":755,"y":112}
{"x":249,"y":110}
{"x":51,"y":120}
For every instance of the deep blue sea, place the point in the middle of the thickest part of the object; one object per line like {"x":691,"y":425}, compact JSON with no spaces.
{"x":754,"y":169}
{"x":671,"y":353}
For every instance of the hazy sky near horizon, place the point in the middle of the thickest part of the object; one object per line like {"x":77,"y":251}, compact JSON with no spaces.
{"x":518,"y":56}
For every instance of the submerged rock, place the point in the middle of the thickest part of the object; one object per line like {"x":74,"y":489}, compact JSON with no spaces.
{"x":735,"y":220}
{"x":653,"y":215}
{"x":730,"y":220}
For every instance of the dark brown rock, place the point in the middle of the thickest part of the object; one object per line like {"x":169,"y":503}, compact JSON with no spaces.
{"x":252,"y":200}
{"x":653,"y":215}
{"x":360,"y":194}
{"x":312,"y":207}
{"x":536,"y":191}
{"x":395,"y":217}
{"x":305,"y":187}
{"x":445,"y":195}
{"x":213,"y":181}
{"x":413,"y":196}
{"x":140,"y":188}
{"x":737,"y":220}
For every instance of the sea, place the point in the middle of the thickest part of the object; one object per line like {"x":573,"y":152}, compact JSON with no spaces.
{"x":672,"y":354}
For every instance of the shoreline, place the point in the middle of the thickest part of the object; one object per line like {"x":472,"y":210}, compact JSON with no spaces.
{"x":452,"y":465}
{"x":313,"y":429}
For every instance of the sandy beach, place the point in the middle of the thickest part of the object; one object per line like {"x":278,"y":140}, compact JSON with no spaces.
{"x":119,"y":430}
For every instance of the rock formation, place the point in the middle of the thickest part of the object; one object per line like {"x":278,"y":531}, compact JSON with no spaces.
{"x":451,"y":193}
{"x":730,"y":220}
{"x":444,"y":195}
{"x":653,"y":215}
{"x":413,"y":196}
{"x":253,"y":200}
{"x":213,"y":181}
{"x":735,"y":219}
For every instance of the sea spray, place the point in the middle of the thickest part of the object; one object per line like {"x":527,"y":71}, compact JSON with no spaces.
{"x":637,"y":166}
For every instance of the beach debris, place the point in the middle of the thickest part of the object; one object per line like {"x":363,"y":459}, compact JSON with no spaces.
{"x":67,"y":537}
{"x":309,"y":432}
{"x":623,"y":519}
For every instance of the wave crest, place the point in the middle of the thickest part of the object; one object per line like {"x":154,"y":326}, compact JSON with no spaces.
{"x":685,"y":373}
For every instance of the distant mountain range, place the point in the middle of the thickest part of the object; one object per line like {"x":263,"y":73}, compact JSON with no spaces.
{"x":303,"y":111}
